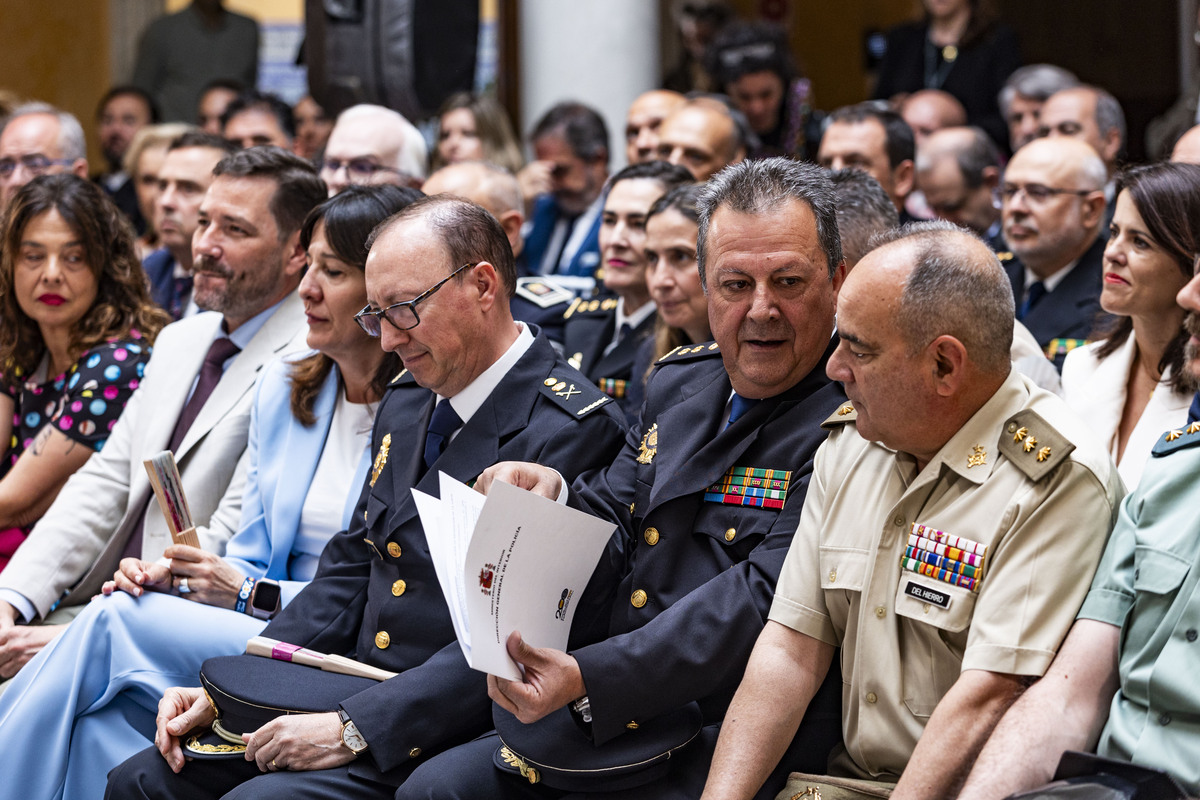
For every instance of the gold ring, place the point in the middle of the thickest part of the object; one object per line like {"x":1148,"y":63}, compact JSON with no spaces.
{"x":273,"y":764}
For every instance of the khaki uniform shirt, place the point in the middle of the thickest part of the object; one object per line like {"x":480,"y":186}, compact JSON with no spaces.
{"x":1037,"y":529}
{"x":1148,"y":584}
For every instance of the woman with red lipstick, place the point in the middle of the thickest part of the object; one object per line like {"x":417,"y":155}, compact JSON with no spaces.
{"x":1129,"y":385}
{"x":78,"y":328}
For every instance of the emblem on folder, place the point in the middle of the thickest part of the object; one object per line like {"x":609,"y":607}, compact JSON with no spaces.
{"x":381,"y":457}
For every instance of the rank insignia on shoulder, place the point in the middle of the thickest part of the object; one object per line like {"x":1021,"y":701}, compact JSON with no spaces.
{"x":1033,"y":445}
{"x":578,"y":399}
{"x":381,"y":457}
{"x":845,"y":413}
{"x":542,"y":292}
{"x":751,"y":486}
{"x":1177,"y":439}
{"x":649,"y":446}
{"x":690,"y":352}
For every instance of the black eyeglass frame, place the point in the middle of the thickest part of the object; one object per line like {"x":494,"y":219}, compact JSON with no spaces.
{"x":368,"y":320}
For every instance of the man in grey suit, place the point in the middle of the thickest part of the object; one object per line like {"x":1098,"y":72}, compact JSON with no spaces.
{"x":194,"y":400}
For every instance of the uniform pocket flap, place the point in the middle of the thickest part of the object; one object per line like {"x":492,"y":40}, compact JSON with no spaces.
{"x":1158,"y":571}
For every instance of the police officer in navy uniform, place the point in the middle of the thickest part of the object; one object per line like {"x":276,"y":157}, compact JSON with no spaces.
{"x":478,"y":389}
{"x":707,"y":494}
{"x":601,"y":335}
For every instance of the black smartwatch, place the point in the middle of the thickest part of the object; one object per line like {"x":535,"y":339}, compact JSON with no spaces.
{"x":264,"y":599}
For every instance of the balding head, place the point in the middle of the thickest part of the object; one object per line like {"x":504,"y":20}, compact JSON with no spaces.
{"x":373,"y":144}
{"x":1187,"y":149}
{"x":1090,"y":114}
{"x":39,"y":139}
{"x":931,"y":110}
{"x":643,"y":120}
{"x":1053,"y":202}
{"x":702,"y":136}
{"x":958,"y":170}
{"x":492,"y":187}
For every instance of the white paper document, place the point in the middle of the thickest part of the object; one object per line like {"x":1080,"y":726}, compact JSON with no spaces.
{"x":511,"y":561}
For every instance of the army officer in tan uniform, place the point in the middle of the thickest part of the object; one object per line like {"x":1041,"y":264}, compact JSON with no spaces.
{"x":953,"y":522}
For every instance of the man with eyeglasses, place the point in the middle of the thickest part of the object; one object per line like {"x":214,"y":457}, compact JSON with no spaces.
{"x":39,"y":139}
{"x":370,"y":145}
{"x":1053,"y":207}
{"x":958,"y":171}
{"x":477,"y":388}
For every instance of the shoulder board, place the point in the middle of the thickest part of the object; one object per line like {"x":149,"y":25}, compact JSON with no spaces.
{"x":690,"y":352}
{"x":1177,"y":439}
{"x":1004,"y":255}
{"x":542,"y":293}
{"x":402,"y":377}
{"x":1033,"y":445}
{"x":577,"y":399}
{"x":606,"y":305}
{"x":845,"y":413}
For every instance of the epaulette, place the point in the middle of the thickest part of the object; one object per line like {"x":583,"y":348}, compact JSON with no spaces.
{"x":581,"y":306}
{"x":690,"y":352}
{"x":1033,"y":445}
{"x":577,"y":399}
{"x":845,"y":413}
{"x":542,"y":293}
{"x":1004,"y":255}
{"x":1177,"y":439}
{"x":402,"y":377}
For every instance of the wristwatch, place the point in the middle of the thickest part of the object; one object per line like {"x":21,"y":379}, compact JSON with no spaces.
{"x":353,"y":740}
{"x":264,"y":598}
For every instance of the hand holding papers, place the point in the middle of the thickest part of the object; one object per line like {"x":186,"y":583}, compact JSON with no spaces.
{"x":168,"y":488}
{"x":508,"y":561}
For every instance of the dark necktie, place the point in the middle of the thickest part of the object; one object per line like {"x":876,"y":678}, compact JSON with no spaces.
{"x":738,"y":406}
{"x":1036,"y":290}
{"x":181,"y":291}
{"x":1194,"y":411}
{"x":210,"y":374}
{"x":442,"y":425}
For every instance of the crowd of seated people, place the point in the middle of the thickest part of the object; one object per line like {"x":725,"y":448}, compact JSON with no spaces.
{"x":892,"y":407}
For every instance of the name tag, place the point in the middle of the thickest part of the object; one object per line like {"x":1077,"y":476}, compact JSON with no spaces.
{"x":927,"y":595}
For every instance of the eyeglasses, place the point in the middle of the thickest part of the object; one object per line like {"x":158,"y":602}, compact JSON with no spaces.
{"x":402,"y":316}
{"x":358,"y":167}
{"x":36,"y":164}
{"x":1038,"y":194}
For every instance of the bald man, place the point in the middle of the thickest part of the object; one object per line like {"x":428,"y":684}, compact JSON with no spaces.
{"x":958,"y":171}
{"x":642,"y":121}
{"x":701,"y":136}
{"x":373,"y":144}
{"x":930,"y":110}
{"x":1052,"y":208}
{"x":39,"y":139}
{"x":1187,"y":149}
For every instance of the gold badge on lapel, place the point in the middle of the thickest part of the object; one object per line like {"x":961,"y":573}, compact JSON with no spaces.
{"x":649,"y":446}
{"x":381,"y":457}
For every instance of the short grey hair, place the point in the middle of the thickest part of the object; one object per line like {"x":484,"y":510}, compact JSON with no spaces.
{"x":1035,"y":81}
{"x":1109,"y":114}
{"x":71,"y":143}
{"x":756,"y":187}
{"x":864,"y":210}
{"x":413,"y":153}
{"x":957,"y":288}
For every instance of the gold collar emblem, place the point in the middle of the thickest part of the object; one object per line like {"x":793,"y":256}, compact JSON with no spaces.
{"x":381,"y":457}
{"x":978,"y":458}
{"x":649,"y":446}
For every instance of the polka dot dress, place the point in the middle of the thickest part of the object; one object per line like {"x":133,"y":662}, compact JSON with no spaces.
{"x":83,"y":403}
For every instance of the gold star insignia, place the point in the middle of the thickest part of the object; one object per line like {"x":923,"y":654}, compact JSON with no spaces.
{"x":1020,"y":434}
{"x":1030,"y":443}
{"x":978,"y":458}
{"x":1194,"y":427}
{"x":844,"y":410}
{"x":1043,"y":454}
{"x":1173,"y":435}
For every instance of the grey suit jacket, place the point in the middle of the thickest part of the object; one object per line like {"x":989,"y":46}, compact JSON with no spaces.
{"x":78,"y":543}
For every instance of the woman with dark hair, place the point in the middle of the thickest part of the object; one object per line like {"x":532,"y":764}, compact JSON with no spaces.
{"x":78,"y":328}
{"x":752,"y":63}
{"x":1130,"y":385}
{"x":674,"y":282}
{"x":958,"y":47}
{"x":93,"y":692}
{"x":476,"y":128}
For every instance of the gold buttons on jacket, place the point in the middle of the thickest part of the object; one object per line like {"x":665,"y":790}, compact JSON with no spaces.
{"x":880,"y":612}
{"x":398,"y":588}
{"x":729,"y":534}
{"x":871,"y":697}
{"x":651,"y":536}
{"x":393,"y":550}
{"x":632,"y":725}
{"x":414,"y":753}
{"x":382,"y":640}
{"x":833,"y":576}
{"x":638,"y":599}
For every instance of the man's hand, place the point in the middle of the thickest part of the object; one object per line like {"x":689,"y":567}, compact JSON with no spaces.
{"x":135,"y":576}
{"x":552,"y":679}
{"x":20,"y":643}
{"x":182,"y":708}
{"x":8,"y":615}
{"x":210,"y":578}
{"x":300,"y":742}
{"x":532,"y":477}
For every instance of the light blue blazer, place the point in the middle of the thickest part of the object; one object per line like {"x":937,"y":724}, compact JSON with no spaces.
{"x":283,"y":460}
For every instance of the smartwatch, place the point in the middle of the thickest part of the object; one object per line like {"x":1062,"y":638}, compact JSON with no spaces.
{"x":264,"y":599}
{"x":351,"y":738}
